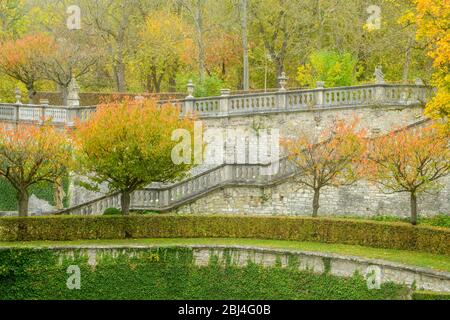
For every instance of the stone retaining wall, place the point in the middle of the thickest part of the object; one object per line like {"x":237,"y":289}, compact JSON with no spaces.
{"x":316,"y":262}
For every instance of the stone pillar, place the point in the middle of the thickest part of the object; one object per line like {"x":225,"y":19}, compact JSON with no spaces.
{"x":189,"y":100}
{"x":18,"y":96}
{"x":224,"y":101}
{"x":73,"y":97}
{"x":319,"y":94}
{"x":379,"y":85}
{"x":73,"y":102}
{"x":281,"y":96}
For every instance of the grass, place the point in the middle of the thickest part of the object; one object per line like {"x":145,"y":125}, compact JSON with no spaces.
{"x":419,"y":259}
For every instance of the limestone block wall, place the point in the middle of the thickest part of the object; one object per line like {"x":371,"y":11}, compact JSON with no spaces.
{"x":362,"y":199}
{"x":374,"y":119}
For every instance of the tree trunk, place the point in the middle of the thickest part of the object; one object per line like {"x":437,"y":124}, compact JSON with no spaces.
{"x":413,"y":208}
{"x":22,"y":199}
{"x":316,"y":202}
{"x":200,"y":41}
{"x":64,"y":94}
{"x":246,"y":76}
{"x":119,"y":69}
{"x":125,"y":203}
{"x":31,"y":93}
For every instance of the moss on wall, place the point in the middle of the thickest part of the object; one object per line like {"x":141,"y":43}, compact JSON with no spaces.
{"x":167,"y":273}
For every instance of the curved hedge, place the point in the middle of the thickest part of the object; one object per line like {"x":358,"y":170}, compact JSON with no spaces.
{"x":390,"y":235}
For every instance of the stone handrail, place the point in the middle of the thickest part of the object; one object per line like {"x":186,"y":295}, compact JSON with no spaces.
{"x":164,"y":197}
{"x":234,"y":105}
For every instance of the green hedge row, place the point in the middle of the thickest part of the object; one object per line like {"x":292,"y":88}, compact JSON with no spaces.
{"x":429,"y":295}
{"x":356,"y":232}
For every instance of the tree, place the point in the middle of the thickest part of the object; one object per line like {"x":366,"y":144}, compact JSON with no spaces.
{"x":335,"y":69}
{"x":432,"y":25}
{"x":30,"y":155}
{"x":71,"y":59}
{"x":160,"y":48}
{"x":23,"y":59}
{"x":128,"y":145}
{"x":410,"y":160}
{"x":329,"y":159}
{"x":12,"y":19}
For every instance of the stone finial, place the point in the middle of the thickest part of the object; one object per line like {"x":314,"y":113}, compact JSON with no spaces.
{"x":283,"y":81}
{"x":320,"y":84}
{"x":225,"y":92}
{"x":190,"y":89}
{"x":419,"y":82}
{"x":379,"y":75}
{"x":73,"y":97}
{"x":18,"y":96}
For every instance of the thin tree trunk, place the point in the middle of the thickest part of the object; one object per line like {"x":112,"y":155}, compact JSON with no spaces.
{"x":31,"y":92}
{"x":413,"y":208}
{"x":246,"y":76}
{"x":22,"y":199}
{"x":120,"y":77}
{"x":316,"y":202}
{"x":406,"y":66}
{"x":125,"y":203}
{"x":200,"y":41}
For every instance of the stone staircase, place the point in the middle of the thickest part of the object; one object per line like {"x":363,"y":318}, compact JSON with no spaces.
{"x":166,"y":197}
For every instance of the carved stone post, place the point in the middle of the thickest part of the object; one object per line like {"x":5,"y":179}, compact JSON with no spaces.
{"x":320,"y":94}
{"x":224,"y":100}
{"x":379,"y":85}
{"x":282,"y":96}
{"x":18,"y":95}
{"x":73,"y":102}
{"x":189,"y":101}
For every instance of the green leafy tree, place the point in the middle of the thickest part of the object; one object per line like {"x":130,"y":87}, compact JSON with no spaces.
{"x":129,"y":144}
{"x":335,"y":69}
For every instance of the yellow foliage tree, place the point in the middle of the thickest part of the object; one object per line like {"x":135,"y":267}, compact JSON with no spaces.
{"x":432,"y":19}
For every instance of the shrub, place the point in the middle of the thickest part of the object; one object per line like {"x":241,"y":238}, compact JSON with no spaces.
{"x":391,"y":235}
{"x":429,"y":295}
{"x":112,"y":212}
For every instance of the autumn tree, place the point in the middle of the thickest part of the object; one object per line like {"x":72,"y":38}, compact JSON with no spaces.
{"x":161,"y":46}
{"x":23,"y":59}
{"x":410,"y":160}
{"x":128,"y":145}
{"x":30,"y":155}
{"x":330,"y":158}
{"x":432,"y":20}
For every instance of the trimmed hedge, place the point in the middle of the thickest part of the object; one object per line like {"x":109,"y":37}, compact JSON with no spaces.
{"x":430,"y":295}
{"x":390,"y":235}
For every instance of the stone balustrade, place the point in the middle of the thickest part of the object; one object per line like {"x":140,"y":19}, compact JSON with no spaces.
{"x":228,"y":105}
{"x":164,"y":197}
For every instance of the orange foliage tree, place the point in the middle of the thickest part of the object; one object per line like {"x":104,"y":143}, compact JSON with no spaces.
{"x":409,"y":160}
{"x":30,"y":155}
{"x":129,"y":144}
{"x":23,"y":59}
{"x":329,"y":159}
